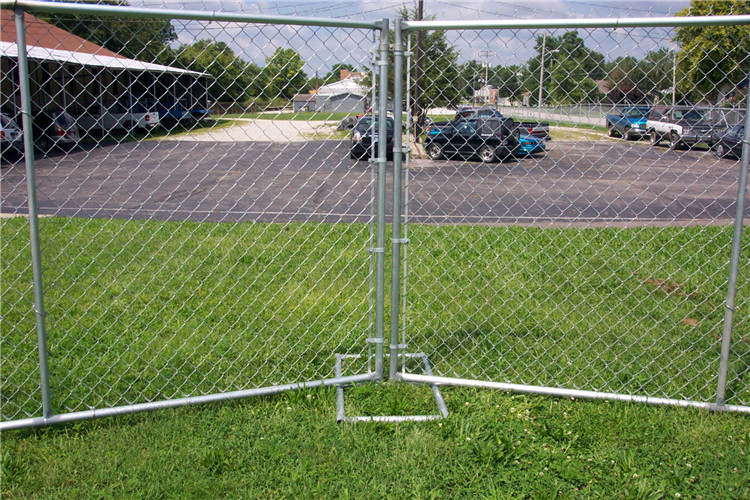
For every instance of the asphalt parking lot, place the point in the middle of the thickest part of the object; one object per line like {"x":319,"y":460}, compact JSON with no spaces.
{"x":574,"y":182}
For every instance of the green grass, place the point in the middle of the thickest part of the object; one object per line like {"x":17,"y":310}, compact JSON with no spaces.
{"x":146,"y":310}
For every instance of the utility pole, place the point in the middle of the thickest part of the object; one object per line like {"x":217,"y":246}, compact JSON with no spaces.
{"x":418,"y":112}
{"x":674,"y":77}
{"x":541,"y":75}
{"x":486,"y":55}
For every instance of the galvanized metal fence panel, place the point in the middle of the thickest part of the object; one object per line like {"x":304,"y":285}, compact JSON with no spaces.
{"x":202,"y":227}
{"x":186,"y":254}
{"x":593,"y":262}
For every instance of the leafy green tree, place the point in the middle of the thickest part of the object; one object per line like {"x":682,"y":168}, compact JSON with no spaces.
{"x":283,"y":74}
{"x":628,"y":81}
{"x":567,"y":47}
{"x":569,"y":84}
{"x":136,"y":38}
{"x":713,"y":59}
{"x":233,"y":79}
{"x":471,"y":77}
{"x":507,"y":80}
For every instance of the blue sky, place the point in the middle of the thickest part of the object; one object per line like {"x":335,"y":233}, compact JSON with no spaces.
{"x":322,"y":48}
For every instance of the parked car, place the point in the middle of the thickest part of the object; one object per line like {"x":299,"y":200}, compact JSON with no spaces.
{"x":729,"y":142}
{"x":629,"y":124}
{"x":11,"y":137}
{"x":536,"y":129}
{"x":54,"y":128}
{"x":682,"y":126}
{"x":489,"y":139}
{"x":529,"y":145}
{"x":112,"y":116}
{"x":365,"y":137}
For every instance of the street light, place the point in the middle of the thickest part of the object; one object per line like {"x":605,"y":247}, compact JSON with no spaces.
{"x":541,"y":73}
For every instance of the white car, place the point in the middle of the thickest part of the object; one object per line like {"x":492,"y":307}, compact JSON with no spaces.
{"x":116,"y":116}
{"x":11,"y":137}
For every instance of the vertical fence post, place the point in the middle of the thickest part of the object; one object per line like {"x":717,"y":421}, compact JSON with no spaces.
{"x":396,"y":241}
{"x":36,"y":258}
{"x":380,"y":236}
{"x":726,"y":340}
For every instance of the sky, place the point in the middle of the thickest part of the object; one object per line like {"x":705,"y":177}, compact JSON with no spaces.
{"x":323,"y":47}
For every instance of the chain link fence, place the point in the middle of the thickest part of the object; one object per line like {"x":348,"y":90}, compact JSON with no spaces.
{"x":208,"y":208}
{"x":585,"y":251}
{"x":187,"y":251}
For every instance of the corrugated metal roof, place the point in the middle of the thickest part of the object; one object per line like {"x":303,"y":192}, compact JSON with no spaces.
{"x":45,"y":42}
{"x":65,"y":56}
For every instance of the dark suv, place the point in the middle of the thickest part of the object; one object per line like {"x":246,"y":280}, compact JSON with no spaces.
{"x":490,"y":139}
{"x":365,"y":133}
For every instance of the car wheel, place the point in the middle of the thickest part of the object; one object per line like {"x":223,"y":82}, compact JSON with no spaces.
{"x":129,"y":126}
{"x":655,"y":139}
{"x":720,"y":151}
{"x":434,"y":151}
{"x":674,"y":141}
{"x":610,"y":132}
{"x":487,"y":154}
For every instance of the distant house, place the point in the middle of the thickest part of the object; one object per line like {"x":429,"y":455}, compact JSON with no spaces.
{"x":347,"y":95}
{"x":486,"y":94}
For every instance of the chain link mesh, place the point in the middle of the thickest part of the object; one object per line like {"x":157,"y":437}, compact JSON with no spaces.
{"x":207,"y":211}
{"x":595,"y":255}
{"x":203,"y":228}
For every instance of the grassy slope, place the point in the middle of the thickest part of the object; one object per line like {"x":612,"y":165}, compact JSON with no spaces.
{"x":154,"y":310}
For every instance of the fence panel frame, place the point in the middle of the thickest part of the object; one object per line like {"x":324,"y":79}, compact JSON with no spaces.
{"x":379,"y":30}
{"x":404,"y":27}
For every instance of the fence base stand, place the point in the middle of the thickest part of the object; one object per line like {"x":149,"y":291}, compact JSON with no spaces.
{"x":340,"y":413}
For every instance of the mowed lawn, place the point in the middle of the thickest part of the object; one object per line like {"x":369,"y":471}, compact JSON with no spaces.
{"x":146,"y":310}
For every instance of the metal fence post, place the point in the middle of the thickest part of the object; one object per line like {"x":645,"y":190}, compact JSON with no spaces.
{"x":726,"y":340}
{"x":380,"y":237}
{"x":36,"y":259}
{"x":396,"y":240}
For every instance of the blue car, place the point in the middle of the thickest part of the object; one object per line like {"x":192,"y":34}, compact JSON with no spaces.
{"x":529,"y":145}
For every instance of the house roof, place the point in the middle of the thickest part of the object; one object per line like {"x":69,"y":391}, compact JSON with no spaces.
{"x":348,"y":86}
{"x":45,"y":42}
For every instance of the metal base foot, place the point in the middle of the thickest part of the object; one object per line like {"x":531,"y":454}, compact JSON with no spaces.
{"x":341,"y":416}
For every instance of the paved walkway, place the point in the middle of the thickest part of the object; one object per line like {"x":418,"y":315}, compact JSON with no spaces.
{"x":263,"y":131}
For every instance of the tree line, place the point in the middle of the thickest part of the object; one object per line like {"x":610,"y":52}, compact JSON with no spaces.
{"x":710,"y":60}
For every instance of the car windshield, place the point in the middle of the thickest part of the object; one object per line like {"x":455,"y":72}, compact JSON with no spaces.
{"x":637,"y":113}
{"x":692,"y":115}
{"x":63,"y":118}
{"x":366,"y":124}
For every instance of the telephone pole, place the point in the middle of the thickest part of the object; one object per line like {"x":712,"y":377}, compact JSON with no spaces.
{"x":486,"y":55}
{"x":418,"y":111}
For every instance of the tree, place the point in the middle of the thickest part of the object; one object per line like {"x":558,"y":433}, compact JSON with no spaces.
{"x":568,"y":47}
{"x":628,"y":80}
{"x":283,"y":74}
{"x":569,"y":84}
{"x":713,"y":59}
{"x":507,"y":80}
{"x":233,"y":79}
{"x":144,"y":39}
